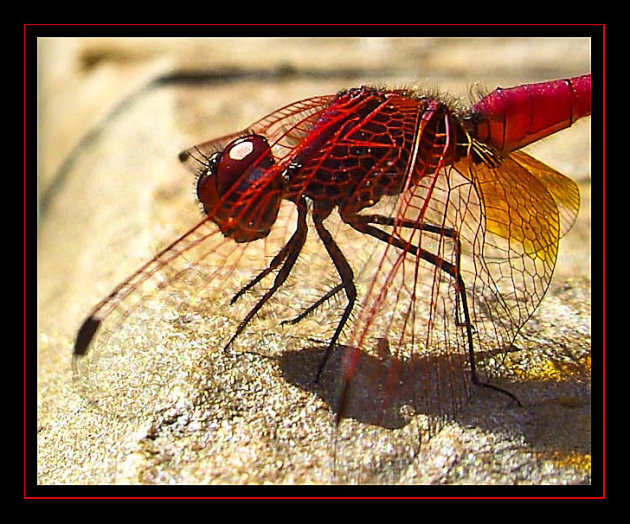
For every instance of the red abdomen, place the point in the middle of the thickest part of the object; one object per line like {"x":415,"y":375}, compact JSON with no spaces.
{"x":509,"y":119}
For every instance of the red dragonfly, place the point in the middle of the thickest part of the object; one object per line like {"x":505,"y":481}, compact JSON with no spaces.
{"x":440,"y":237}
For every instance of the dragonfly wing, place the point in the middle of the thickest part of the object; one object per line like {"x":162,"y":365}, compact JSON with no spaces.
{"x":156,"y":329}
{"x":196,"y":157}
{"x":283,"y":129}
{"x":564,"y":191}
{"x":523,"y":215}
{"x":507,"y":221}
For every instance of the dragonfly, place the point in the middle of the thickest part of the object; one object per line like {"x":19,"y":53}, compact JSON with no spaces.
{"x":438,"y":236}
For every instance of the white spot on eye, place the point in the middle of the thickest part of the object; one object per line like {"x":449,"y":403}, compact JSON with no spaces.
{"x":241,"y":150}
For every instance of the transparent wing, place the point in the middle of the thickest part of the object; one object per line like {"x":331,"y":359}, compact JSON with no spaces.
{"x":498,"y":227}
{"x":119,"y":354}
{"x":284,"y":130}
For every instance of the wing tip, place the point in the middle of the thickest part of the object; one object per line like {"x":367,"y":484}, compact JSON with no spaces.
{"x":85,"y":335}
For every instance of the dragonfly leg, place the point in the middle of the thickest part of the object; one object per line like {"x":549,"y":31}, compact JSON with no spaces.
{"x":363,"y":223}
{"x":287,"y":257}
{"x":275,"y":262}
{"x":314,"y":306}
{"x":347,"y":283}
{"x":343,"y":268}
{"x":438,"y":230}
{"x":383,"y":220}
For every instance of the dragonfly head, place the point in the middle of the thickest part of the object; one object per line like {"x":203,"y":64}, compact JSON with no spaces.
{"x":240,"y":190}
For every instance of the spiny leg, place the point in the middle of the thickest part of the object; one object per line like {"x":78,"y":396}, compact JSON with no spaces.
{"x":287,"y":256}
{"x":364,"y":225}
{"x":377,"y":219}
{"x":275,"y":262}
{"x":314,"y":306}
{"x":347,"y":283}
{"x":380,"y":235}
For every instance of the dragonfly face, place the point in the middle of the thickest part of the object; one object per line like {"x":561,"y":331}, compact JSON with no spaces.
{"x":238,"y":190}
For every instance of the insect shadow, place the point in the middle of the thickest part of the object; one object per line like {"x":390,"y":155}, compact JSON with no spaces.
{"x":387,"y":391}
{"x":384,"y":390}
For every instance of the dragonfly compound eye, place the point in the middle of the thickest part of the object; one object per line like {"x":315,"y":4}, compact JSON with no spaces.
{"x":241,"y":154}
{"x":233,"y":178}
